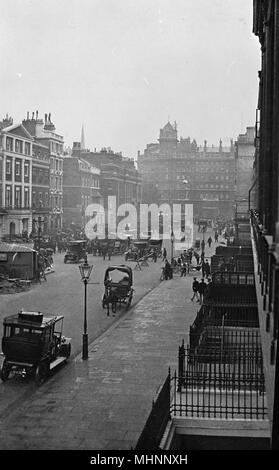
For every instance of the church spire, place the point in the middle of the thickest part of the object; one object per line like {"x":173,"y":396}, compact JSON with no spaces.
{"x":82,"y":140}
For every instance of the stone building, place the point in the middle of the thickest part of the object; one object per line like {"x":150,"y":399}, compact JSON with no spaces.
{"x":81,"y":187}
{"x":15,"y":179}
{"x":119,"y":176}
{"x":181,"y":172}
{"x":40,"y":188}
{"x":44,"y":132}
{"x":244,"y":159}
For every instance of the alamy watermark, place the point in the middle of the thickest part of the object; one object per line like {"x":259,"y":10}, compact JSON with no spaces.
{"x":167,"y":222}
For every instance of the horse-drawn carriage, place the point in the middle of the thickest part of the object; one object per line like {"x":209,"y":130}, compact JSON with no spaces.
{"x":118,"y":282}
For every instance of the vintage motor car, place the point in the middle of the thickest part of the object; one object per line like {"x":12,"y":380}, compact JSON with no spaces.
{"x":76,"y":251}
{"x":118,"y":282}
{"x":33,"y":344}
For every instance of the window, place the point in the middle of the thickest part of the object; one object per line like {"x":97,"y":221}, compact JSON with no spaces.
{"x":19,"y":146}
{"x":17,"y":168}
{"x":17,"y":197}
{"x":8,"y":196}
{"x":27,"y":148}
{"x":8,"y":167}
{"x":26,"y":197}
{"x":9,"y":144}
{"x":26,"y":170}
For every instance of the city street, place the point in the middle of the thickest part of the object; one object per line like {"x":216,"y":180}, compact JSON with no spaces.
{"x":63,"y":294}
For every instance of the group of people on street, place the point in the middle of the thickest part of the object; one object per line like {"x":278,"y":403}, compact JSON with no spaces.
{"x":200,"y":288}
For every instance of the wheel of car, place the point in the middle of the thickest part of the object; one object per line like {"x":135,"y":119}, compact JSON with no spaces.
{"x":5,"y":371}
{"x":41,"y":373}
{"x":65,"y":350}
{"x":69,"y":349}
{"x":129,"y":300}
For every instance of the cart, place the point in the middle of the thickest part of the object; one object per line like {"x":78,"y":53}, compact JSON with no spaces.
{"x":118,"y":282}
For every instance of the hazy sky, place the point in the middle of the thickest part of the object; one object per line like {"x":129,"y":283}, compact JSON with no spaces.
{"x":124,"y":67}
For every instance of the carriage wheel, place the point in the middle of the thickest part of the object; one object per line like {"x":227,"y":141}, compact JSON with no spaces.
{"x":103,"y":301}
{"x":129,"y":300}
{"x":113,"y":306}
{"x":41,"y":373}
{"x":5,"y":371}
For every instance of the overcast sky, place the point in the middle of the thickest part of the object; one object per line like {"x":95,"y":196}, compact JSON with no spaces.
{"x":126,"y":67}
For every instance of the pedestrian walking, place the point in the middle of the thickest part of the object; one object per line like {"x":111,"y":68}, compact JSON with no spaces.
{"x":207,"y":269}
{"x":203,"y":268}
{"x":202,"y":245}
{"x":164,"y":254}
{"x":216,"y":237}
{"x":168,"y":270}
{"x":195,"y":289}
{"x":183,"y":269}
{"x":197,"y":256}
{"x":190,"y":255}
{"x":202,"y":289}
{"x":209,"y":241}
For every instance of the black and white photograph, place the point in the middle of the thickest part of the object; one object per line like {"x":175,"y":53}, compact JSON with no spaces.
{"x":139,"y":230}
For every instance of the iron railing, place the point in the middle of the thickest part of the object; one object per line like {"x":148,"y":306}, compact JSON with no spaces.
{"x":220,"y":383}
{"x":233,"y":278}
{"x":156,"y":423}
{"x":236,"y":316}
{"x":221,"y":340}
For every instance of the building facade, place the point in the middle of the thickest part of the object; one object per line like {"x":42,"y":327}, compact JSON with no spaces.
{"x":119,"y":176}
{"x":179,"y":171}
{"x":265,"y":217}
{"x":244,"y":160}
{"x":44,"y":133}
{"x":81,"y":187}
{"x":40,"y":188}
{"x":16,"y":146}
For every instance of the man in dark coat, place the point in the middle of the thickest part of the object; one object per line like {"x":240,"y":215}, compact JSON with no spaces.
{"x":202,"y":290}
{"x":195,"y":288}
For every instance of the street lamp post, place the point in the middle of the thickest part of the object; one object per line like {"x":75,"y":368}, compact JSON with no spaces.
{"x":172,"y":240}
{"x":85,"y":271}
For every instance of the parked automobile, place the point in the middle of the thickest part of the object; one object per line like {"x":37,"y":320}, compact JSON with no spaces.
{"x":33,"y":344}
{"x":76,"y":251}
